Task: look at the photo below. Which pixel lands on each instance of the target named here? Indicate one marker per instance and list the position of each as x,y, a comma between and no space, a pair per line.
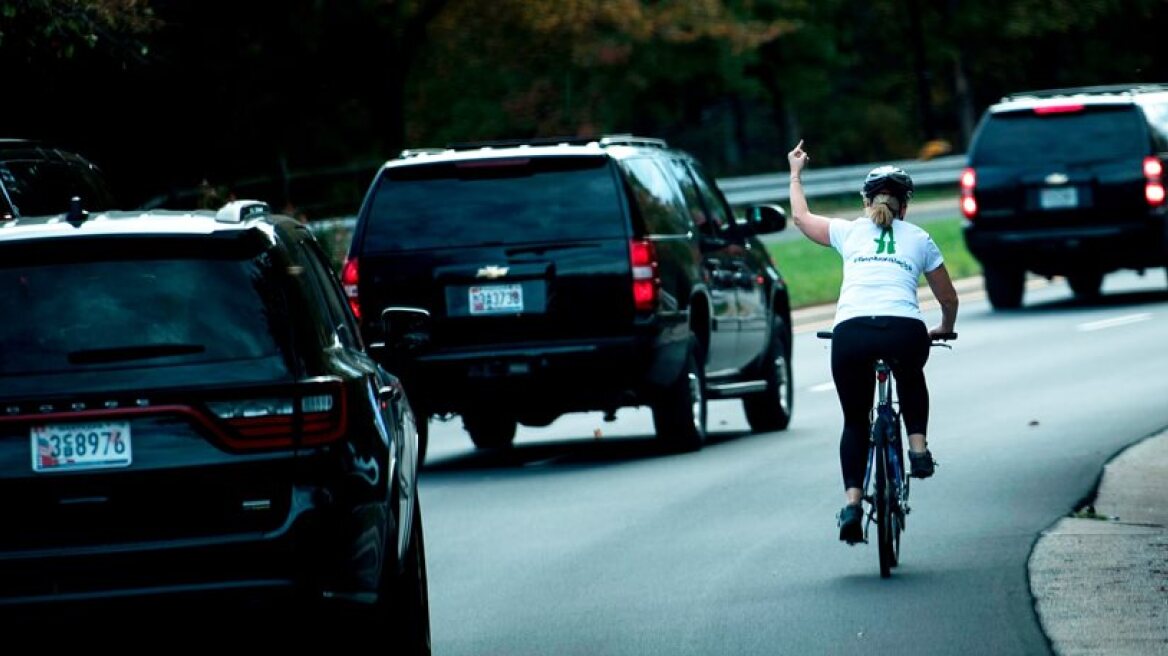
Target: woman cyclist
878,315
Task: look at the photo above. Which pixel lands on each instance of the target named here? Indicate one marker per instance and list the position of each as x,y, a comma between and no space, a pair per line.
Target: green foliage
308,85
64,29
581,67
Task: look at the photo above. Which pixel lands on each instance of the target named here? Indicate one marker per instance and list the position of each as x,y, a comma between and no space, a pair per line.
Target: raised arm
812,225
942,286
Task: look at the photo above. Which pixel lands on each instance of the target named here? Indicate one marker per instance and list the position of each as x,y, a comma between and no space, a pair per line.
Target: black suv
512,282
1067,182
186,406
40,179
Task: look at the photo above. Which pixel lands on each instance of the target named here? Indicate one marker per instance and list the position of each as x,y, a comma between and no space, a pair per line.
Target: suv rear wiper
140,352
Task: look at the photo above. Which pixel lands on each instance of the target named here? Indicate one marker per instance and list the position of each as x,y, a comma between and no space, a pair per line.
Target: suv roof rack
1116,89
606,140
414,152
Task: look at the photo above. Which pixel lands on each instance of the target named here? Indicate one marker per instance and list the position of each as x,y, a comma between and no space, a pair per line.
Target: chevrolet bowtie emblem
1057,179
492,272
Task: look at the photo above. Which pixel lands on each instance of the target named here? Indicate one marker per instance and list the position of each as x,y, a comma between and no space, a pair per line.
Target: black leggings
855,346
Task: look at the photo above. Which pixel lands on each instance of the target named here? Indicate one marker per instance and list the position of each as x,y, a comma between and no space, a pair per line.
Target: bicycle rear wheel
884,504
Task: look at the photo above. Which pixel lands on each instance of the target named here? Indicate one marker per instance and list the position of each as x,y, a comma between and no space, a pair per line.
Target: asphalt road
584,540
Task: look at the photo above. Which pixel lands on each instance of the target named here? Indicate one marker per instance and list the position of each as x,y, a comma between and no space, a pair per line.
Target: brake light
643,256
308,414
1059,109
968,184
1153,181
349,278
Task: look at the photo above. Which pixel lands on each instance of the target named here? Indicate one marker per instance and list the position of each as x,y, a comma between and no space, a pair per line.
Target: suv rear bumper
550,378
308,554
1056,251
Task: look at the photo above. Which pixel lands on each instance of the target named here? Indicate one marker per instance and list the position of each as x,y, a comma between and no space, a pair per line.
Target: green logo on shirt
885,243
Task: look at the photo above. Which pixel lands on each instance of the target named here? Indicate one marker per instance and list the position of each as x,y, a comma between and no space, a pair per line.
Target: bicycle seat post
883,383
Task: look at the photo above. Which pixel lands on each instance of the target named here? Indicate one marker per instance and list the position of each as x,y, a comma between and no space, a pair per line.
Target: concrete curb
1099,579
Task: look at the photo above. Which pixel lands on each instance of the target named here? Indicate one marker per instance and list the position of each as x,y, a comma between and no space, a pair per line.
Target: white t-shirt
882,269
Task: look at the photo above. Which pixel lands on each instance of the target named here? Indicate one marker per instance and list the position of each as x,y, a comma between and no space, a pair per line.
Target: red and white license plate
496,299
69,447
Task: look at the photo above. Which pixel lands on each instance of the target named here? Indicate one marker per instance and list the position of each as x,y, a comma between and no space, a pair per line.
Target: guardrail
774,188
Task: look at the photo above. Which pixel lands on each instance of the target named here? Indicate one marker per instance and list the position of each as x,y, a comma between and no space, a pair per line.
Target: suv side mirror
406,329
764,219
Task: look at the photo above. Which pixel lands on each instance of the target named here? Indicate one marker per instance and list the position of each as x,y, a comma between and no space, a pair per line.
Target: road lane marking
1114,321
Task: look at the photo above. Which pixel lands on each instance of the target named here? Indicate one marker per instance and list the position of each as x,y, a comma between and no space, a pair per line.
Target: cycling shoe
922,464
851,524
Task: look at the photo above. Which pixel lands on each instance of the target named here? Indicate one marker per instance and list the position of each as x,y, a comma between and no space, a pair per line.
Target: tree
44,29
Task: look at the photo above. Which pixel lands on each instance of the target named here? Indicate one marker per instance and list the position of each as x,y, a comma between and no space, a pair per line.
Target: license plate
1056,198
69,447
496,299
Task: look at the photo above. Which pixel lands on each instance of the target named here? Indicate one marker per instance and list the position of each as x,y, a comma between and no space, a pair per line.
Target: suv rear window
536,199
77,313
1101,133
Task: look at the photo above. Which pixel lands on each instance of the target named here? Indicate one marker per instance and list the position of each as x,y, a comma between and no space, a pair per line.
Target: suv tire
402,608
771,410
409,612
423,422
1085,285
1004,285
680,414
489,431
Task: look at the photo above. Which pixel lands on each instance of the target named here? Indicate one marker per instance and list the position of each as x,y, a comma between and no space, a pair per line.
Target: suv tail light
1069,108
307,414
643,256
968,184
349,277
1153,181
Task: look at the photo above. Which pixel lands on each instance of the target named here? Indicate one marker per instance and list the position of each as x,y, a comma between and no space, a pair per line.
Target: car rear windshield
489,202
1092,134
81,313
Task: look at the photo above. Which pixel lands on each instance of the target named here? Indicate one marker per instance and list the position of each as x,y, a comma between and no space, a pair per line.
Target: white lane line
1114,321
823,387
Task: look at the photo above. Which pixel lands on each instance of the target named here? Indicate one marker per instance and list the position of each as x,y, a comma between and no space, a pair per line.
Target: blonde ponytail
883,209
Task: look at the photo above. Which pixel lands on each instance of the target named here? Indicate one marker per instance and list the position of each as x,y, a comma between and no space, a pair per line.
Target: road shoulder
1099,579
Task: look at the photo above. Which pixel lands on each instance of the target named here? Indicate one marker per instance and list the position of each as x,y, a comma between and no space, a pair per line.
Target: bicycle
886,486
